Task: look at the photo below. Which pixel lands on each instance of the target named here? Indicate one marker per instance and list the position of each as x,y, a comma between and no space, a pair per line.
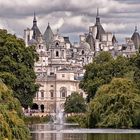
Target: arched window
51,93
57,54
57,44
83,52
63,92
42,108
42,93
34,106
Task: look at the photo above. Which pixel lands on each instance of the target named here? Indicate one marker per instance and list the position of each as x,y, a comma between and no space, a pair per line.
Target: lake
73,132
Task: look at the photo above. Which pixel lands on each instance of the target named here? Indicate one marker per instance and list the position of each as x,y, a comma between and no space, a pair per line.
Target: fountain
58,117
58,130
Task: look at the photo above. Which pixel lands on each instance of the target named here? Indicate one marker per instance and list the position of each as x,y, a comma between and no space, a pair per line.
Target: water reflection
60,136
59,132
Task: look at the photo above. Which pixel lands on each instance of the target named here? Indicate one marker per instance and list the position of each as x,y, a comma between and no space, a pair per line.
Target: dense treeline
112,86
17,67
113,91
17,86
12,126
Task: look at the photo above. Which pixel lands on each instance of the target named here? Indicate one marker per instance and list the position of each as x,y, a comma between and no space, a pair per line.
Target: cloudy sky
71,17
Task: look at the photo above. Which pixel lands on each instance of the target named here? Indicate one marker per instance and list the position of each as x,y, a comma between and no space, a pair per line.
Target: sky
71,17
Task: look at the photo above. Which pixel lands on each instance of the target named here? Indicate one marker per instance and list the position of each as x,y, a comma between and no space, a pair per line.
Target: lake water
72,132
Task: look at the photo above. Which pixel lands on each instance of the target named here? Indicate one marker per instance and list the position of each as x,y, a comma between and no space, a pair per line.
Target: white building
60,66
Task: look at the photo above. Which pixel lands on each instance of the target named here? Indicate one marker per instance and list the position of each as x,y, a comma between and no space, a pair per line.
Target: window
83,52
63,95
37,95
57,54
51,93
42,93
51,73
63,75
39,46
51,85
57,44
62,54
63,92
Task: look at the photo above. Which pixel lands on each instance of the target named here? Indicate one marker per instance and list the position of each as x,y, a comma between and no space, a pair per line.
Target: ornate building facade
60,66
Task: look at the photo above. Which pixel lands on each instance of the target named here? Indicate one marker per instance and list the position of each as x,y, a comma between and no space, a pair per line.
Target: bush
78,118
36,119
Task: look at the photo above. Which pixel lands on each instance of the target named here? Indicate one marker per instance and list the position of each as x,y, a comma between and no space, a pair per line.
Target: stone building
60,66
57,73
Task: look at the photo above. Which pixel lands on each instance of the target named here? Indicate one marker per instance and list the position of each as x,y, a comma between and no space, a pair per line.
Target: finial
135,28
34,16
97,12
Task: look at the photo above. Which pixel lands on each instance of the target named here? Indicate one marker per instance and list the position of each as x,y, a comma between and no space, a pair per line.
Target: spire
34,20
97,17
136,29
48,25
97,12
36,31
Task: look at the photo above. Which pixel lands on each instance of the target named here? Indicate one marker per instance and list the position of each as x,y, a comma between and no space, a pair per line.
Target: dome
136,38
84,45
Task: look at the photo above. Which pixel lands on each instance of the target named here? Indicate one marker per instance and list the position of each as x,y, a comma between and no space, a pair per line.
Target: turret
36,31
136,38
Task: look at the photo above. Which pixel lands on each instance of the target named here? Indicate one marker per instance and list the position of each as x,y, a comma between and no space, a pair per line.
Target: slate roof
48,34
100,29
36,31
91,41
66,39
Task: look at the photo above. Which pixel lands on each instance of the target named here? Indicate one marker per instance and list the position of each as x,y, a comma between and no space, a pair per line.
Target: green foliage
36,119
16,67
12,126
136,62
115,105
102,70
77,118
74,103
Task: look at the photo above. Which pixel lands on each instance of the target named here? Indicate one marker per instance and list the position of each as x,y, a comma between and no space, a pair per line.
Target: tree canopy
17,67
12,126
74,103
101,71
116,105
136,62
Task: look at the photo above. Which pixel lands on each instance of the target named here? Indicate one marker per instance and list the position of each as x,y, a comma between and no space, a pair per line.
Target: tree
116,105
17,67
75,103
12,126
101,71
136,61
